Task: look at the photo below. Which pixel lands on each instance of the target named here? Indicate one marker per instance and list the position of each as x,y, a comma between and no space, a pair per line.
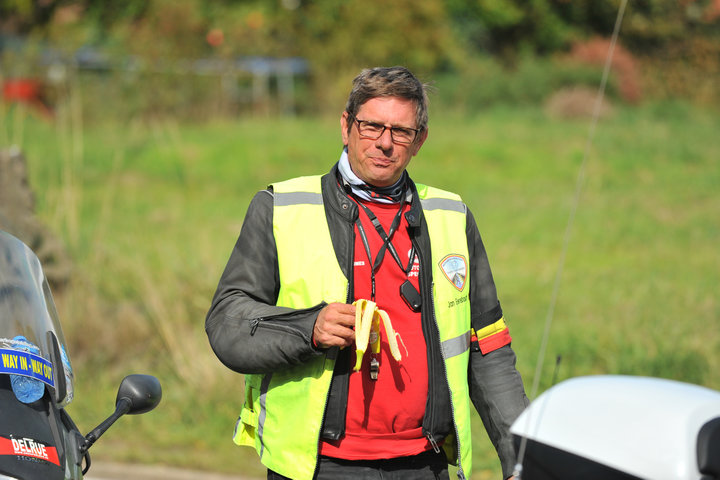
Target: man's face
381,162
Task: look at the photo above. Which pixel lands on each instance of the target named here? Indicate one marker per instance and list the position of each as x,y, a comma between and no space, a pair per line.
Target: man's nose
384,141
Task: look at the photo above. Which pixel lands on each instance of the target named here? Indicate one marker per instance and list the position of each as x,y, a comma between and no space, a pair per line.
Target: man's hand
334,326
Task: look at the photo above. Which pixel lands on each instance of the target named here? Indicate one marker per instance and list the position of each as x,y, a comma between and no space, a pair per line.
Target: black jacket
249,334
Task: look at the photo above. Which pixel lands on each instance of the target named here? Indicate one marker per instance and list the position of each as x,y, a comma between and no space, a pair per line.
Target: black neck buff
391,194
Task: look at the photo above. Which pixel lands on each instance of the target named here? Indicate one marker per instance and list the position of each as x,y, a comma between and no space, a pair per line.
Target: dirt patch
576,102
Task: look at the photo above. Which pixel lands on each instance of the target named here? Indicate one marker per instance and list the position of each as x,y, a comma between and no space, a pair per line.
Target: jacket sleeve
496,388
247,332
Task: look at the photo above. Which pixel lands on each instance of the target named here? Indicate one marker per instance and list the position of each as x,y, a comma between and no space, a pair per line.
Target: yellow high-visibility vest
283,411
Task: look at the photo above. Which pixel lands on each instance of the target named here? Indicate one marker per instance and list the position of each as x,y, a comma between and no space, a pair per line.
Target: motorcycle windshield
31,339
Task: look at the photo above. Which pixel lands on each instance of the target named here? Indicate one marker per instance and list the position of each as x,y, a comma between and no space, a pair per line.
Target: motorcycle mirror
137,394
142,391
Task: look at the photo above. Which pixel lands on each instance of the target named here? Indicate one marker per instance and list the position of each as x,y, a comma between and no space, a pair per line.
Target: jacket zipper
254,325
428,433
257,322
427,301
460,472
348,299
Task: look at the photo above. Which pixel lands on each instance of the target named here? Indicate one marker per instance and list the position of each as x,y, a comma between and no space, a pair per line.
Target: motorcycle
620,427
38,438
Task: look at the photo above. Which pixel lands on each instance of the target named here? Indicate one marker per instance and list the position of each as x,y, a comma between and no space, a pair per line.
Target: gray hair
389,82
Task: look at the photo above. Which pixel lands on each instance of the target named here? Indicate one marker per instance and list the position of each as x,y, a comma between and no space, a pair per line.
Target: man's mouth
382,162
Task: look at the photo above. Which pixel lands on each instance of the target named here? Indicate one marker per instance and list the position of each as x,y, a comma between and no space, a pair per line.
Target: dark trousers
425,466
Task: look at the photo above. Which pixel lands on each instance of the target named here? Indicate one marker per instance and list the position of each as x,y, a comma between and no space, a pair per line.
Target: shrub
594,52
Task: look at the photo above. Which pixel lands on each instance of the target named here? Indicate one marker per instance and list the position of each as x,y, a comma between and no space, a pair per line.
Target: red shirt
384,416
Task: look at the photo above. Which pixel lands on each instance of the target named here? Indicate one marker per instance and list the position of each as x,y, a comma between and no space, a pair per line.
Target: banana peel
367,324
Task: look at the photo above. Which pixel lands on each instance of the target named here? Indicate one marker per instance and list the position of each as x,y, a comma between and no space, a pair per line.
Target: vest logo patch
455,269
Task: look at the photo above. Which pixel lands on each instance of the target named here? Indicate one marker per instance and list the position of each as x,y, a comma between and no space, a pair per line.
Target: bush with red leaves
595,51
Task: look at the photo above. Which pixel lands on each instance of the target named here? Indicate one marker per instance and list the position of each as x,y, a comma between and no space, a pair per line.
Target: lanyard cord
387,243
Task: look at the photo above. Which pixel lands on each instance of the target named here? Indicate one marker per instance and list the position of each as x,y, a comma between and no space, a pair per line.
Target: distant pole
261,88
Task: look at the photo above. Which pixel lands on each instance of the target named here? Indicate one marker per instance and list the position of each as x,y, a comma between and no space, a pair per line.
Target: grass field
150,211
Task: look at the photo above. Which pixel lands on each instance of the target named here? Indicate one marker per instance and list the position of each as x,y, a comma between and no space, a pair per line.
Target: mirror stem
122,407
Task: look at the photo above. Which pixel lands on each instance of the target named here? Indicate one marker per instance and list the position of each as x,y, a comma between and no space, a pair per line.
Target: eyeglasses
373,131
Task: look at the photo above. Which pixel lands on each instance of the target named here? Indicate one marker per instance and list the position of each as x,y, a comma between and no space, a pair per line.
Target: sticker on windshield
17,362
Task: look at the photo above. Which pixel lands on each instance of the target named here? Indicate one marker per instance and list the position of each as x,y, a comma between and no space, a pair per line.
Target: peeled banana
367,325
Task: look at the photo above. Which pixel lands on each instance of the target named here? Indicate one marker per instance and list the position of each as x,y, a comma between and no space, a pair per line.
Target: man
283,313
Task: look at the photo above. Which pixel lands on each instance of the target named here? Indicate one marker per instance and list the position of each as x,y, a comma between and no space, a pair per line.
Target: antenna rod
571,220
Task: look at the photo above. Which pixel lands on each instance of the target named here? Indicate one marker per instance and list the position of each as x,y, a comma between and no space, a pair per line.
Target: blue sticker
17,362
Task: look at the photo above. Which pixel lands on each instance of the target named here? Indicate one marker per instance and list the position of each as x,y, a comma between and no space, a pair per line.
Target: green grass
151,210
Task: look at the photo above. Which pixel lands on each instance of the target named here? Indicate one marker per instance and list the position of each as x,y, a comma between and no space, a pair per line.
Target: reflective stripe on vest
283,411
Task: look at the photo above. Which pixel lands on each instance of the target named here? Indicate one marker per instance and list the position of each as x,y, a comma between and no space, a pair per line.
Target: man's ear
344,127
422,136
